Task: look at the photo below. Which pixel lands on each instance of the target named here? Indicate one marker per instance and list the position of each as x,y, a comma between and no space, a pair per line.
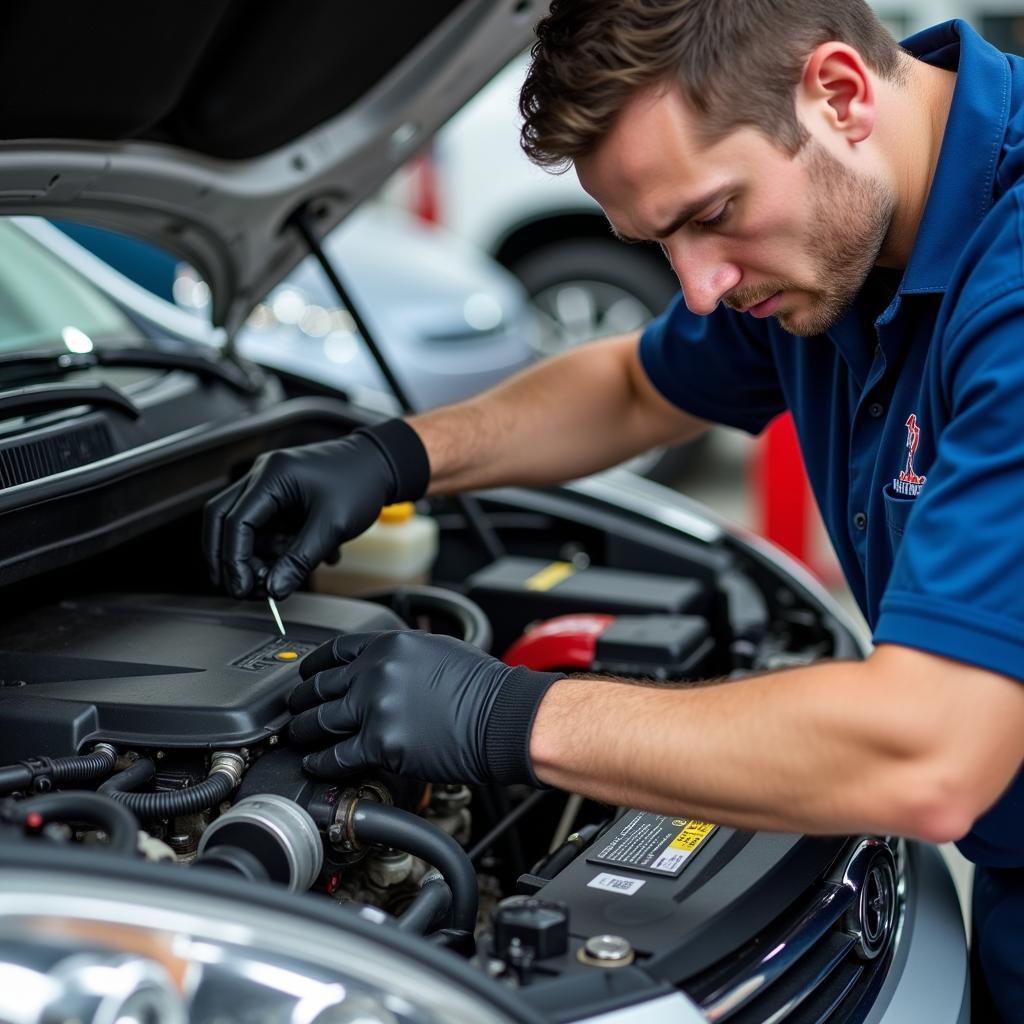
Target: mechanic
846,220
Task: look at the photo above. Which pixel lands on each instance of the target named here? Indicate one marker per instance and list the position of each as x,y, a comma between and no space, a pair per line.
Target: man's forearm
824,749
565,418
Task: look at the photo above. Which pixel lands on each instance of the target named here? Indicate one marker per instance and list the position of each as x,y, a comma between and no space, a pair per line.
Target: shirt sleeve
957,585
716,367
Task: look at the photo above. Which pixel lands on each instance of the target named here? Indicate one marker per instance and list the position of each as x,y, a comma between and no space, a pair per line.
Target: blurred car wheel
593,288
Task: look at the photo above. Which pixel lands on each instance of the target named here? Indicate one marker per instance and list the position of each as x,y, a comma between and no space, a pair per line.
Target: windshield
44,304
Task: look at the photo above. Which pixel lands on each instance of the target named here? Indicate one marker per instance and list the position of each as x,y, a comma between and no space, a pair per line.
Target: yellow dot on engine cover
286,655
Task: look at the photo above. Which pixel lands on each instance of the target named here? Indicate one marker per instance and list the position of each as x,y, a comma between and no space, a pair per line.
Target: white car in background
542,226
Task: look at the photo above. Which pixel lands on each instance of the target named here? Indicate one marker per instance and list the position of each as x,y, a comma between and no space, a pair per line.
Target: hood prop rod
468,505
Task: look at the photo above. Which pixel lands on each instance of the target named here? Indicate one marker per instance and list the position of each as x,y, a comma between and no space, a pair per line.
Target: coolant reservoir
398,549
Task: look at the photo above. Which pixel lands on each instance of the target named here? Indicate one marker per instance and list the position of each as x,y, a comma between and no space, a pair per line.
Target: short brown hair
737,62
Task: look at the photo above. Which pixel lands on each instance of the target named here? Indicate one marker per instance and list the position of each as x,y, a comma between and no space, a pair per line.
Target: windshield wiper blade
50,397
223,370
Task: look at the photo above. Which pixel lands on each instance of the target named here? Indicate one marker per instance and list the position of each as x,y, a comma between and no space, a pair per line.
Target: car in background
450,320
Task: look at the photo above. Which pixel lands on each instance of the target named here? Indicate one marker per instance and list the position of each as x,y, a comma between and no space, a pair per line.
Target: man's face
740,220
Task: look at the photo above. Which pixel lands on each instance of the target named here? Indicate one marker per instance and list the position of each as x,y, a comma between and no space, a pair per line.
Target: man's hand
417,704
320,495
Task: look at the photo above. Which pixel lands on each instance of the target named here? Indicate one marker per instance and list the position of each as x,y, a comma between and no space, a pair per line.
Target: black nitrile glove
320,495
417,704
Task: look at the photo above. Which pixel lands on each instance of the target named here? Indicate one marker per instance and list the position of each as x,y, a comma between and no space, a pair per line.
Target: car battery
515,591
654,647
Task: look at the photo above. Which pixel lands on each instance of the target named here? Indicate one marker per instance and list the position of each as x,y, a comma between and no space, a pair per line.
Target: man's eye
713,222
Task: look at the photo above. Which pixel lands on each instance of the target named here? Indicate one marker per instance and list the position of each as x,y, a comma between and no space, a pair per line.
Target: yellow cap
286,655
399,513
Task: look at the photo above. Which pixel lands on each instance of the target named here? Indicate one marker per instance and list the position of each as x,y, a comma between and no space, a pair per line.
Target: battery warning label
651,842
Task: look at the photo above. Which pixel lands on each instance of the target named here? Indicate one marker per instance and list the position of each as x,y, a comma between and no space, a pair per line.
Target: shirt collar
961,192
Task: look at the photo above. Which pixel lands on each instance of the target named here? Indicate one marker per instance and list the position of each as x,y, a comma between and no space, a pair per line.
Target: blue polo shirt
911,422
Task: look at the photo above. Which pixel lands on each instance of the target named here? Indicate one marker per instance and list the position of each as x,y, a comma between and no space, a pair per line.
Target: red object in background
425,201
784,498
565,642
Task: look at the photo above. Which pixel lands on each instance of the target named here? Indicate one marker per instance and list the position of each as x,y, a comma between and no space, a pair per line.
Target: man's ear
837,88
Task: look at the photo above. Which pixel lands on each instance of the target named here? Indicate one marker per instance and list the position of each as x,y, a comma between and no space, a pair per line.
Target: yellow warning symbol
550,576
692,836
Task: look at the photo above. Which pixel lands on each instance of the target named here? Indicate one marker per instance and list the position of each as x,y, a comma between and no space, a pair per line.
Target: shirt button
860,520
876,409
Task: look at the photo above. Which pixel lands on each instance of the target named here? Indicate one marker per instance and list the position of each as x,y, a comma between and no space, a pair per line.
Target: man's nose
704,278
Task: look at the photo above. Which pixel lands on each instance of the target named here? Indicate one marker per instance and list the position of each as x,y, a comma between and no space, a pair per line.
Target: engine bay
145,724
174,706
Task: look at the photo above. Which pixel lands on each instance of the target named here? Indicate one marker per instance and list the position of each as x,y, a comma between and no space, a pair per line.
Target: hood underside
203,127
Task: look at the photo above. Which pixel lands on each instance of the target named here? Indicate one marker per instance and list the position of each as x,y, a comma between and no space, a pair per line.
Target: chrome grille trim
821,975
791,945
837,898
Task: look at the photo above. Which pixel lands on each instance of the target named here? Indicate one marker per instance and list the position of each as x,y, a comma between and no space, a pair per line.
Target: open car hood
204,127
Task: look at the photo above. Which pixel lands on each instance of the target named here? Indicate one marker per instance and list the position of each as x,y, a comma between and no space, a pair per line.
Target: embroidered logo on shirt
908,483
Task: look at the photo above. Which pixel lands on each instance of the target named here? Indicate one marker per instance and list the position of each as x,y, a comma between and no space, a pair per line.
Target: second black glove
424,706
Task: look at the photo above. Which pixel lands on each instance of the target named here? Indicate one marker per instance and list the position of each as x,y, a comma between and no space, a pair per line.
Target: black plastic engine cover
152,670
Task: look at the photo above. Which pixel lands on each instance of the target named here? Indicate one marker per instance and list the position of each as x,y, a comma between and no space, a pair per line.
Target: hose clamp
341,832
41,769
228,763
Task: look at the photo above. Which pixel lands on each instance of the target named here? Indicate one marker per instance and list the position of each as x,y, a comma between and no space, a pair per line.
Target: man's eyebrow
684,216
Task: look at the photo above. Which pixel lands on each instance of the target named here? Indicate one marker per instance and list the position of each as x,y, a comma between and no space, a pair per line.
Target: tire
589,288
627,287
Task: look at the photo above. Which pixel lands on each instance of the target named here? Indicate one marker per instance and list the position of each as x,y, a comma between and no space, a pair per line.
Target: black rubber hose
85,766
431,905
234,859
79,806
76,768
390,826
135,775
15,776
172,803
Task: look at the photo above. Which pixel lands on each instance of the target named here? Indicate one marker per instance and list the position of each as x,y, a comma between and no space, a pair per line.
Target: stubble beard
850,218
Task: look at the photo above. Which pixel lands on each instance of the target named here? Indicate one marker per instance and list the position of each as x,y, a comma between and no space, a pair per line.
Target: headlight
100,949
